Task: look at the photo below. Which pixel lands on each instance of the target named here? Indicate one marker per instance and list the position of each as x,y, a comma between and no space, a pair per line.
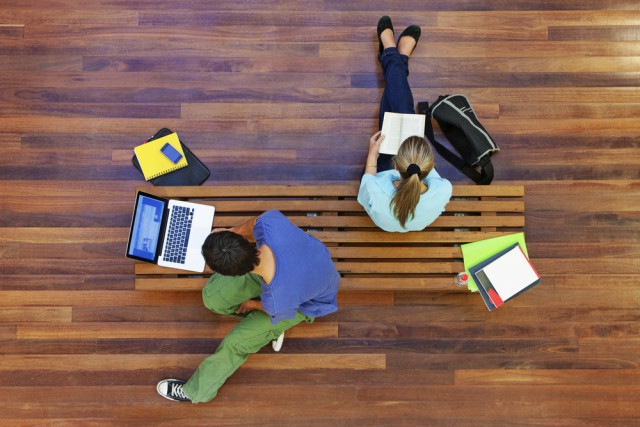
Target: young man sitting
290,271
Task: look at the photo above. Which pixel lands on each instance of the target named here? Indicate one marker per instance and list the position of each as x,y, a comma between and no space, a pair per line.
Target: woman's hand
371,167
374,144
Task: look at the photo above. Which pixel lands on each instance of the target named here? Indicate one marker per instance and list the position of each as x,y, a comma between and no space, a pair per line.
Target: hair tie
413,169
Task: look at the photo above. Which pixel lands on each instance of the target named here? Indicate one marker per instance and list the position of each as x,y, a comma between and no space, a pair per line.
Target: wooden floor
287,90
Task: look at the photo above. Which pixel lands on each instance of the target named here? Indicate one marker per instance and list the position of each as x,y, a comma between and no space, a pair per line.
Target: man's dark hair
229,253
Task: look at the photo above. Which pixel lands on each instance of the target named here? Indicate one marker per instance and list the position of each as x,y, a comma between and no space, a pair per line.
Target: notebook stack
499,268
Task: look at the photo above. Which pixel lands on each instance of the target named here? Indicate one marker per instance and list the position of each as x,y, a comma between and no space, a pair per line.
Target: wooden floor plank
54,315
92,330
543,377
135,362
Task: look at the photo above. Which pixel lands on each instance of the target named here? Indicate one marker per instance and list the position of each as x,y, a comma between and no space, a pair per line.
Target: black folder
195,173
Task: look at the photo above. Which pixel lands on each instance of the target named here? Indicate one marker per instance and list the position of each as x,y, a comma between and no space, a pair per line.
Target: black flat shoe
412,31
383,24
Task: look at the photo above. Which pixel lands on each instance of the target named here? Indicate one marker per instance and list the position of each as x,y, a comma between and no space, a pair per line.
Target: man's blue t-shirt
305,277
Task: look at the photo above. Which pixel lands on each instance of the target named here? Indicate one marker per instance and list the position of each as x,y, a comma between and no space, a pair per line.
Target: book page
412,124
511,273
391,128
397,127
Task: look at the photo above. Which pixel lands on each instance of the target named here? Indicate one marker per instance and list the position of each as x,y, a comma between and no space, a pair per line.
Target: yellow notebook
153,163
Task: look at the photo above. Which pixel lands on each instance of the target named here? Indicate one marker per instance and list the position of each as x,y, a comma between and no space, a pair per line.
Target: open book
397,127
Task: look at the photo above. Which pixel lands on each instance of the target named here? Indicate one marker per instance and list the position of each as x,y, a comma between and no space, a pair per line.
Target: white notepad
511,273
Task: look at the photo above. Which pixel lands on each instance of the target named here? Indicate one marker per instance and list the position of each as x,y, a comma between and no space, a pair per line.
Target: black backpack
464,131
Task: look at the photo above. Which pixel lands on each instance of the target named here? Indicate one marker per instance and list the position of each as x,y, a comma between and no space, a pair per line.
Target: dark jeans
397,96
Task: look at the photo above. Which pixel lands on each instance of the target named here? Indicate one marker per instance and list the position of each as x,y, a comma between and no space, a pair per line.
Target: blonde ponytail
414,150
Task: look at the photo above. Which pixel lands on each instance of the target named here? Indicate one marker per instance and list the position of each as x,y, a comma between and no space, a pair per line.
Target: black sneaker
172,390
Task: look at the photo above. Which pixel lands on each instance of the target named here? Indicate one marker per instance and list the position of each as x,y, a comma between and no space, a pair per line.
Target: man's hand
248,306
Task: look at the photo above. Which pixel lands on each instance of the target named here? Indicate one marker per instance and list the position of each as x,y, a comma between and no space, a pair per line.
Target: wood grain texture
287,91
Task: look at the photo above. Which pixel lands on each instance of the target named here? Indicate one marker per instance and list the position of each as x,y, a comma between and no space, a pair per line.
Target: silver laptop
169,233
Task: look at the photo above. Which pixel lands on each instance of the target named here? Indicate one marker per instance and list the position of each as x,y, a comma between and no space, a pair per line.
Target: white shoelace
176,390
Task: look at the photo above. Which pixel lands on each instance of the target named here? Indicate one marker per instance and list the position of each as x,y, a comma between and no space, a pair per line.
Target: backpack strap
484,177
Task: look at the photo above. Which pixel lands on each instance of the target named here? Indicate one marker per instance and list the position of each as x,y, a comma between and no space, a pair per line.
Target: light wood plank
53,315
546,377
166,330
136,362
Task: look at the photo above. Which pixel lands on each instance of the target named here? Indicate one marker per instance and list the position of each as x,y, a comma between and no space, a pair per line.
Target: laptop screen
146,227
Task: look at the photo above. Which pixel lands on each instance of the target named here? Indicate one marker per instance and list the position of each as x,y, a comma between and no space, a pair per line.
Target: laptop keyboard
175,246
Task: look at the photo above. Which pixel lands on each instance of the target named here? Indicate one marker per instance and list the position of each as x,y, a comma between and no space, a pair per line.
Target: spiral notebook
195,173
153,163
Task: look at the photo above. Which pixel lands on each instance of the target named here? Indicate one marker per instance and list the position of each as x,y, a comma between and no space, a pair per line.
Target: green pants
223,295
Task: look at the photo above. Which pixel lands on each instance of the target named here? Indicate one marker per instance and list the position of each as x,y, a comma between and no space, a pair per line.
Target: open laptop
169,233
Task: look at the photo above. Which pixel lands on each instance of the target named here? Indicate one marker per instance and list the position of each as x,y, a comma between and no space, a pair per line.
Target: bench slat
398,266
421,237
368,252
394,267
343,190
347,283
362,221
330,205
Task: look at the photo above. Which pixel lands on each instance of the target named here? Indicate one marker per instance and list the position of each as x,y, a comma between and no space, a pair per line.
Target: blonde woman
401,193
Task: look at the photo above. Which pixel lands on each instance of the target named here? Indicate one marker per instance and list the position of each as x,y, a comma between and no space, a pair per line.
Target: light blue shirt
305,279
376,193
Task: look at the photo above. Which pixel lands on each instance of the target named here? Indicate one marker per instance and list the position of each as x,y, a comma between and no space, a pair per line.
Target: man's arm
245,229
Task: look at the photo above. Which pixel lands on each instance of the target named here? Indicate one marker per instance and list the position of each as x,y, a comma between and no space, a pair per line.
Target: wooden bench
366,257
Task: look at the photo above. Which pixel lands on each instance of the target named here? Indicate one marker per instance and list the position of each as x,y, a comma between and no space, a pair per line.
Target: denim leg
385,162
396,96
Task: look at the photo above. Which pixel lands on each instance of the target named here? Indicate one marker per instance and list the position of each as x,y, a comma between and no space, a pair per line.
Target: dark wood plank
11,31
601,32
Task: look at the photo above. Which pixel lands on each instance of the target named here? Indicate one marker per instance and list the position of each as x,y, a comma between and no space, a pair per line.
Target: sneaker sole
277,344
